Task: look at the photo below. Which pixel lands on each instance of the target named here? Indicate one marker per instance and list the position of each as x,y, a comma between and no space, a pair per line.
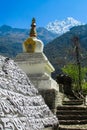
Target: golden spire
33,28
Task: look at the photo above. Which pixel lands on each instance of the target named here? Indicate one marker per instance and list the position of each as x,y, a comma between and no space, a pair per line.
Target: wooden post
76,42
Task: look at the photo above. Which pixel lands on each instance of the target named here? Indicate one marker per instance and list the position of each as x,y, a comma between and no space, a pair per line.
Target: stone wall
52,98
49,96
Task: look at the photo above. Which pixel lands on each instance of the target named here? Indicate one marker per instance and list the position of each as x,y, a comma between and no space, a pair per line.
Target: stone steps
73,102
73,127
71,108
71,115
74,112
72,122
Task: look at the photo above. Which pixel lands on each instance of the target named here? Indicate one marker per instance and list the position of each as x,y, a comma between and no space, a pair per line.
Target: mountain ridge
11,39
60,27
61,50
58,50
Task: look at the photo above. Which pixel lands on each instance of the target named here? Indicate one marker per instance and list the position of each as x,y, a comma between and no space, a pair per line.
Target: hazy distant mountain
11,39
45,35
63,26
61,50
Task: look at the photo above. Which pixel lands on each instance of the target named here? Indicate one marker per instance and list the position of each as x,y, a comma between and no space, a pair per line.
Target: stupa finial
33,28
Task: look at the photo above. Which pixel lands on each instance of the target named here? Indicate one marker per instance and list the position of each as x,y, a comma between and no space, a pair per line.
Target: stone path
73,127
72,116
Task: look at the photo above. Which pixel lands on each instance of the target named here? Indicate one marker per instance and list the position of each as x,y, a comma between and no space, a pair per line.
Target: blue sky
18,13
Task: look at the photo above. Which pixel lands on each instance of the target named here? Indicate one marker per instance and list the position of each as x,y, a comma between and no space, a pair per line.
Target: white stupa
34,62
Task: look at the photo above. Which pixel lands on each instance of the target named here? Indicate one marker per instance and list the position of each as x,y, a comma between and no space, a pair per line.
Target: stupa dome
32,44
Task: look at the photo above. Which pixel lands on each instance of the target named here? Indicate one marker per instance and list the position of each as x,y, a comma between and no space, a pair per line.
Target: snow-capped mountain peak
63,26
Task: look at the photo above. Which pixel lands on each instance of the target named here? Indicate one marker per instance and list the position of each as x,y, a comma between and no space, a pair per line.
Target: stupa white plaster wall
38,68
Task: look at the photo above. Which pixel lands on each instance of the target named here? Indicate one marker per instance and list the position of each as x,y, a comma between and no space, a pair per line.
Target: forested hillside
61,50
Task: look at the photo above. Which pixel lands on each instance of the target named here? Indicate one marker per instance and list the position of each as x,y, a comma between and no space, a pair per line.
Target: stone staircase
72,115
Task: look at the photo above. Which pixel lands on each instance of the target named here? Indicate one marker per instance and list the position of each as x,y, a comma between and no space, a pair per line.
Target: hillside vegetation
61,50
11,39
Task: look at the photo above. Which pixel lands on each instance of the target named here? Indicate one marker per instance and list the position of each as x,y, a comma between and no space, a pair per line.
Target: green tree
73,72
